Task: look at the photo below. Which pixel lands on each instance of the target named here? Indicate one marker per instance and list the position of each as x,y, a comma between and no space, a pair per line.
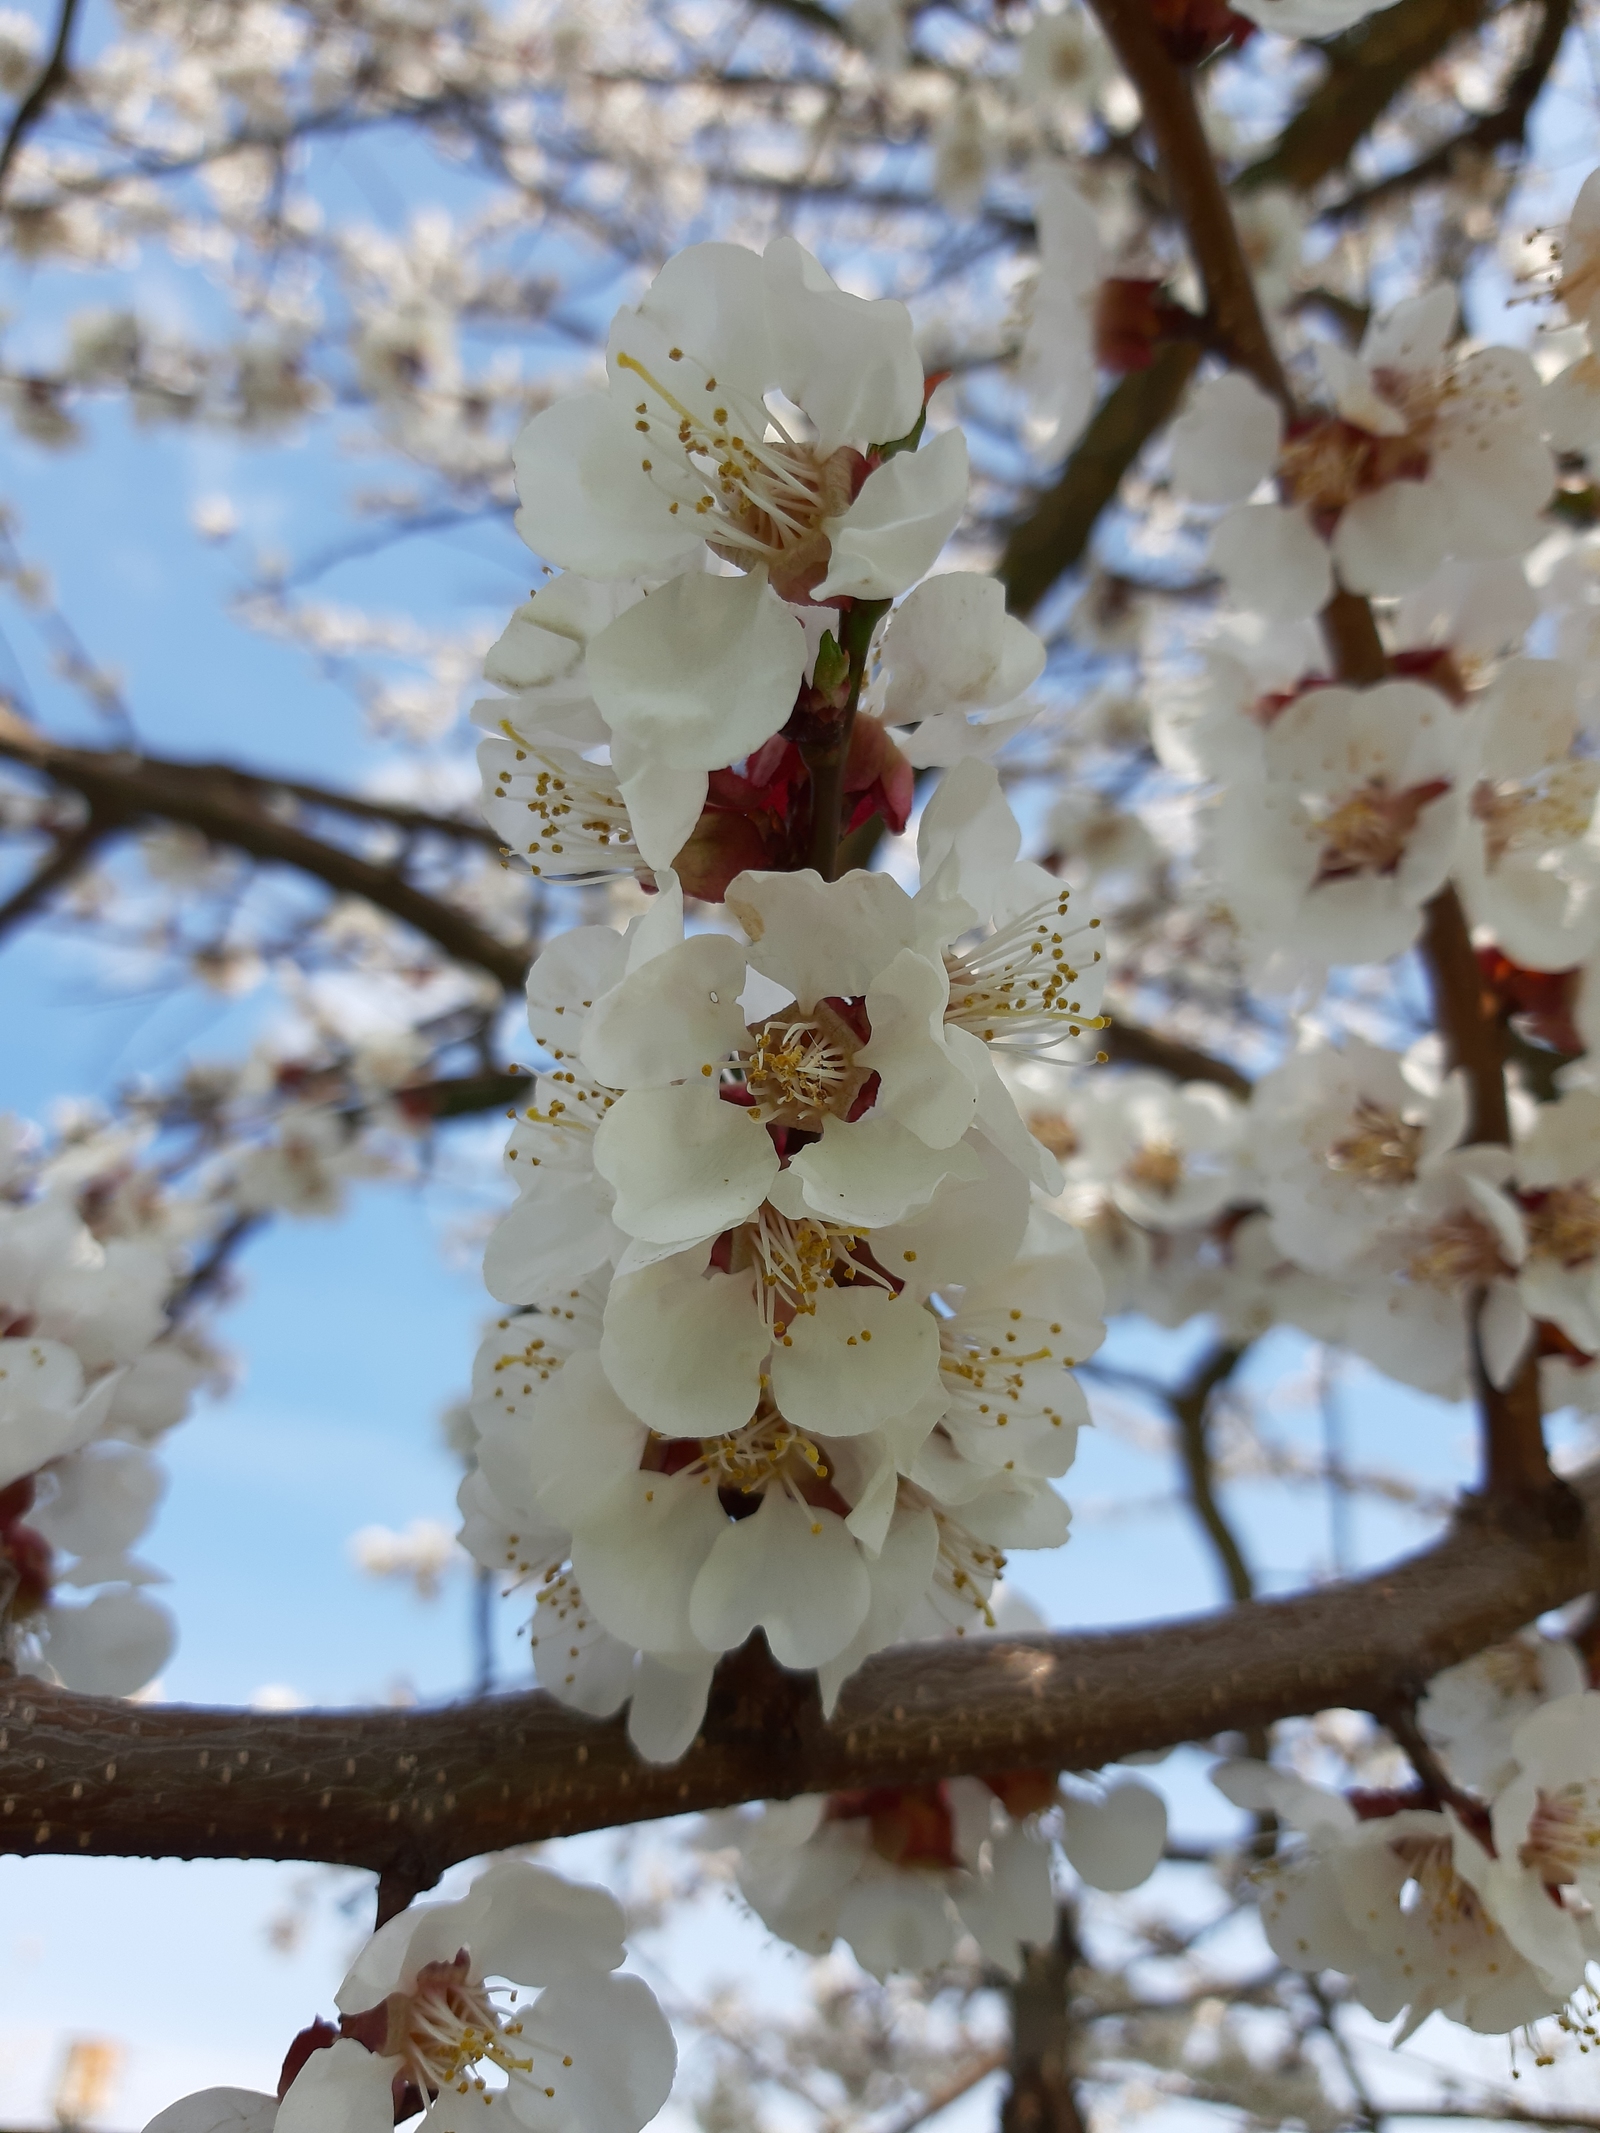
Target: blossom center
1380,1147
446,2026
1459,1250
796,1260
762,498
1563,1833
1156,1167
1056,1133
1368,832
1552,807
799,1072
1564,1225
911,1825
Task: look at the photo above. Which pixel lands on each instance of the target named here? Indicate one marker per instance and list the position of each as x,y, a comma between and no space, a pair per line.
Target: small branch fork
235,809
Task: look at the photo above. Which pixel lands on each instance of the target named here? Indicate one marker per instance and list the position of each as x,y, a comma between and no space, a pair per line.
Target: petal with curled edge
342,2089
892,534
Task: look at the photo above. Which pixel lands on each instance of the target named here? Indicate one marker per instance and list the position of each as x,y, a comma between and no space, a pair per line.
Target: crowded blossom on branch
1042,804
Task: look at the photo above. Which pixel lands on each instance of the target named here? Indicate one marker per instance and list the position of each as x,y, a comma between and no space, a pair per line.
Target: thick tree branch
409,1792
1514,1456
235,808
1042,2097
1054,536
52,75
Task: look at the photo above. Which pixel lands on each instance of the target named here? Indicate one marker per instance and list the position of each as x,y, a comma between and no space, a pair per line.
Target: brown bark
409,1792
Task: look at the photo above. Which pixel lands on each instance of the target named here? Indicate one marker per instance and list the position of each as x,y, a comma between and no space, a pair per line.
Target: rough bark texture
408,1792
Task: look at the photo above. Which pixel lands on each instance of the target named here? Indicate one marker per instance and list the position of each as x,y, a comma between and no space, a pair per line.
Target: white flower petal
685,1348
112,1647
874,1172
892,534
1115,1842
1272,561
851,362
669,1701
820,939
342,2089
668,1019
861,1356
700,673
637,1566
791,1570
587,503
218,2111
922,1083
685,1165
621,2053
1226,440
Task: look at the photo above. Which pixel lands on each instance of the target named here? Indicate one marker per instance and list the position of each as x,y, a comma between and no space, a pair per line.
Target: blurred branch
1191,1407
56,70
72,851
1514,1456
1130,1045
940,2098
1045,545
1368,67
244,812
1504,127
410,1792
1042,2097
1200,203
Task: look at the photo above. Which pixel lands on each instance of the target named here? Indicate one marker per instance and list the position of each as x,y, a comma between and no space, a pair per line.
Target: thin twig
34,105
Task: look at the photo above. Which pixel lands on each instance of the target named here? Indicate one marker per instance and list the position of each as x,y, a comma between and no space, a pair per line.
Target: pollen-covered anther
798,1072
1022,989
447,2026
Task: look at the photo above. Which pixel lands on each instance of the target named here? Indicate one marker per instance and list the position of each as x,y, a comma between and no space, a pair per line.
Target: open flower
423,2024
1395,1902
1529,863
684,449
1423,455
1353,826
1340,1138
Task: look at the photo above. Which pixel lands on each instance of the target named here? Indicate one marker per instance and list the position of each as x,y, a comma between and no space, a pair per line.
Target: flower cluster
435,2008
1478,1903
793,1332
904,1873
